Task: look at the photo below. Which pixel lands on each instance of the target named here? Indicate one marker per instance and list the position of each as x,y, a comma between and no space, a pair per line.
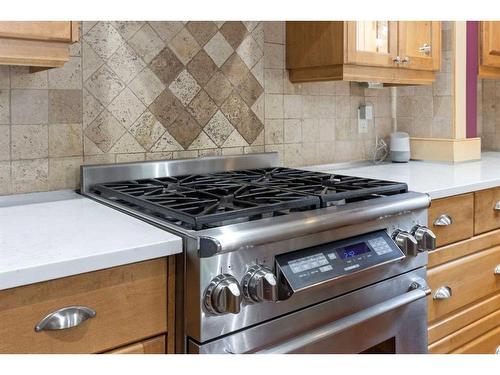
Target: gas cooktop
209,200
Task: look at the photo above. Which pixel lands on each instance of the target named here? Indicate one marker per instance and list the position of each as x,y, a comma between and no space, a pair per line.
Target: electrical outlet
362,121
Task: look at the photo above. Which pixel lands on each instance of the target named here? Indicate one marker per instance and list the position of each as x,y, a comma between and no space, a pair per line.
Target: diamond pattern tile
169,86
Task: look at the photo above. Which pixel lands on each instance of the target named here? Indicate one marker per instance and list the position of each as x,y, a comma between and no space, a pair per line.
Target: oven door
387,317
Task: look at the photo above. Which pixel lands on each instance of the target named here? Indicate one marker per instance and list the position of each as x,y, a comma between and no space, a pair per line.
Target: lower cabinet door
489,343
156,345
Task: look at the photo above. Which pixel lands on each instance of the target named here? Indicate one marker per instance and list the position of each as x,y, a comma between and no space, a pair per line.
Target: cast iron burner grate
210,200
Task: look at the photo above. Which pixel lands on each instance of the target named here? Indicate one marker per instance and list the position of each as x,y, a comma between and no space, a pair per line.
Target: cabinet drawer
130,304
470,279
460,209
489,343
155,345
486,217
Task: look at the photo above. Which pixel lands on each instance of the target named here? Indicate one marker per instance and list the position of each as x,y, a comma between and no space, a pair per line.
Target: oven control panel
306,267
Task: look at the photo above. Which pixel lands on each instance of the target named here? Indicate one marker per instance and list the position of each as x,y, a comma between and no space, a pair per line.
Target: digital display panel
353,250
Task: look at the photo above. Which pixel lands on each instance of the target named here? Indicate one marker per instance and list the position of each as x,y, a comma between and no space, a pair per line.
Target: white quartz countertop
437,179
46,236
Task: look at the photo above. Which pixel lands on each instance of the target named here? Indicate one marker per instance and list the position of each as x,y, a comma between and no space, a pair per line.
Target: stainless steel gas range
280,260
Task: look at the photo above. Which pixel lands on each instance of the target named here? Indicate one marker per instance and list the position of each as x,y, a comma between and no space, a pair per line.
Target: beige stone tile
258,107
442,85
146,86
126,144
327,88
127,28
4,143
75,49
292,105
30,175
201,67
90,61
253,149
273,106
105,85
422,127
64,173
65,106
258,34
219,128
159,155
104,131
250,127
146,43
166,143
219,88
202,108
126,63
184,129
29,106
210,152
104,39
309,88
342,106
29,141
232,151
273,132
311,131
4,77
274,32
289,87
184,87
218,49
249,51
4,106
441,127
292,131
127,158
166,30
293,155
91,108
309,107
328,129
326,152
184,46
65,140
235,140
126,108
310,154
345,128
234,32
67,77
250,25
202,31
99,159
147,130
21,78
404,105
422,106
273,81
274,56
343,88
202,142
442,106
234,108
259,140
185,154
258,71
5,180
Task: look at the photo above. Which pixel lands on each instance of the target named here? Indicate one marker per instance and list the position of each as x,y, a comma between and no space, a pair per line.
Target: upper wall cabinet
489,49
37,44
375,51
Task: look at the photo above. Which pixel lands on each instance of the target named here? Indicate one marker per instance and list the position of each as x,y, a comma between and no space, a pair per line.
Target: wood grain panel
463,248
489,343
486,218
414,34
490,43
52,31
470,279
463,317
130,302
33,53
461,209
155,345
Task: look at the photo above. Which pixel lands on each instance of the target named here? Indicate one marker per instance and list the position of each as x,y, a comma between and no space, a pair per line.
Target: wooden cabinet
156,345
489,49
43,44
376,51
466,263
130,304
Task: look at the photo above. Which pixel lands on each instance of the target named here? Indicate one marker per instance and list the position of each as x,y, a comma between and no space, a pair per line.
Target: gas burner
215,199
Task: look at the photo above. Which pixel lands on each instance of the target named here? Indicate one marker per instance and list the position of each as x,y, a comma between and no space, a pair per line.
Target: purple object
471,78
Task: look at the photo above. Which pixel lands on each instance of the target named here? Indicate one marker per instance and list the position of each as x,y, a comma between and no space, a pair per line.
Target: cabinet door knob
497,270
406,60
443,220
425,48
64,318
497,206
498,350
397,60
443,292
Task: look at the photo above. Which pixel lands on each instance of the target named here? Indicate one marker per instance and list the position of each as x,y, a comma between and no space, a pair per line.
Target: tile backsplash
161,90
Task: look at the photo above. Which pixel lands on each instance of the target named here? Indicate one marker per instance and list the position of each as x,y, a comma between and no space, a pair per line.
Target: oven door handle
418,289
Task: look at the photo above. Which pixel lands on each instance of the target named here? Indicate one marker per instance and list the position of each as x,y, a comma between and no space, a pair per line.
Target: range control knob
405,241
259,284
223,295
426,239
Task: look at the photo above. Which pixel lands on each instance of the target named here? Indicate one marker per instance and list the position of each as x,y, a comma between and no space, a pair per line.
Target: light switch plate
362,122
